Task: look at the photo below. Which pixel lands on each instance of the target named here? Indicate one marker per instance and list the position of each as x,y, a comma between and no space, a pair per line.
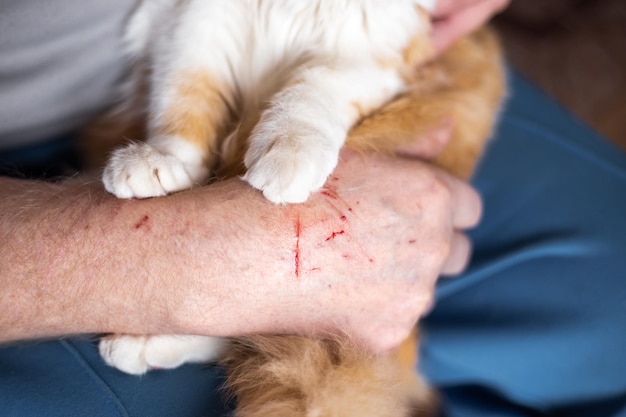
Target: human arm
221,260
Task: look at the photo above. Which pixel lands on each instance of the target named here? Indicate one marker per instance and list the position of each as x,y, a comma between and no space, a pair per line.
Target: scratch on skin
335,234
329,193
143,222
297,250
332,195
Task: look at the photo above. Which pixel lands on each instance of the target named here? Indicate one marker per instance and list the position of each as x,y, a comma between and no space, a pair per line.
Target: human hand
454,19
372,244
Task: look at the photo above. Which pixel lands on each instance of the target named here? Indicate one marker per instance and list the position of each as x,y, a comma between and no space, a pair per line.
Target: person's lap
536,325
532,328
68,379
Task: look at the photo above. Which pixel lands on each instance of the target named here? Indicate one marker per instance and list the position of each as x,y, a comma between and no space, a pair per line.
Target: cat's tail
292,376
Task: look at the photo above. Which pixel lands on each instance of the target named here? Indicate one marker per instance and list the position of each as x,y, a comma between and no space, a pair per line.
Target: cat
271,90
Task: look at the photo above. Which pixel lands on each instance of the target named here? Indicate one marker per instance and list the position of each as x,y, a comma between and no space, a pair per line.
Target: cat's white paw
289,168
137,355
140,171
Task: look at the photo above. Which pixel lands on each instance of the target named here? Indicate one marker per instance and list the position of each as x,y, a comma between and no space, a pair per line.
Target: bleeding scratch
335,234
329,193
143,222
297,250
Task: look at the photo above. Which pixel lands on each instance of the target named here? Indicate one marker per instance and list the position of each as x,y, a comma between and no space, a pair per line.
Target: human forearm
77,260
38,282
359,257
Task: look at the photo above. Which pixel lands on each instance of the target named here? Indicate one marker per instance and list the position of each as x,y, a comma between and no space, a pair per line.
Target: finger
446,8
467,206
459,256
449,30
430,144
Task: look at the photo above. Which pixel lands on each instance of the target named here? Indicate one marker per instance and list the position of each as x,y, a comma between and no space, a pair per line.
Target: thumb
459,18
429,144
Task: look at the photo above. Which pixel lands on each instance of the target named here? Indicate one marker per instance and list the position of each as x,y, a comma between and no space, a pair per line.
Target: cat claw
140,171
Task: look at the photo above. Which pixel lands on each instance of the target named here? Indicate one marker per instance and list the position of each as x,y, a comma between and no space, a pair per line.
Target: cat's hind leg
137,355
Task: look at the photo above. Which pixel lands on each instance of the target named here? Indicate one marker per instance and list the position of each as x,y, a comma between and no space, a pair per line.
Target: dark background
575,50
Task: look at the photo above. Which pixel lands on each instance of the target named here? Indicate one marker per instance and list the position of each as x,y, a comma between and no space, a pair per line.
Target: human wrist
243,281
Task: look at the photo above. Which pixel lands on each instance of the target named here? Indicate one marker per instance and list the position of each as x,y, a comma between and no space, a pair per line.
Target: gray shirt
59,62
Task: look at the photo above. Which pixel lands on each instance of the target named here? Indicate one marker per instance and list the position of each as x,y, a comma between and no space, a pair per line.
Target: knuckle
434,255
459,257
439,190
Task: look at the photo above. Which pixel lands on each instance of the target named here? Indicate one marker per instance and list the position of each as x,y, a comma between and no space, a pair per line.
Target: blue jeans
535,327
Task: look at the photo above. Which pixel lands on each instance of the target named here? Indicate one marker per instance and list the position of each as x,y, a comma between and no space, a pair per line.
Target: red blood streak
335,234
143,222
412,241
297,251
329,194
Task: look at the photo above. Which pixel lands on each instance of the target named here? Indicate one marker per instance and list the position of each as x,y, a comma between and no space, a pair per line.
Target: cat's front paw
289,168
137,355
140,171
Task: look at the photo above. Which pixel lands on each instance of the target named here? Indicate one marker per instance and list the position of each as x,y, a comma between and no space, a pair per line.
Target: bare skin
454,19
221,260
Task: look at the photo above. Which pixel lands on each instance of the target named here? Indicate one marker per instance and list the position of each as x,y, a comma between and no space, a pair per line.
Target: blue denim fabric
51,159
536,327
68,378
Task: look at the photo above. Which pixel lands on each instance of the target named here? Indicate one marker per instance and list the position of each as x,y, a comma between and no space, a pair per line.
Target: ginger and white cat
314,68
278,85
